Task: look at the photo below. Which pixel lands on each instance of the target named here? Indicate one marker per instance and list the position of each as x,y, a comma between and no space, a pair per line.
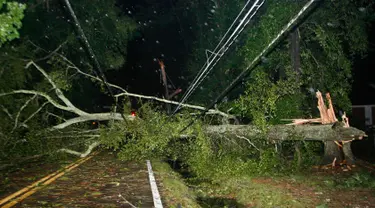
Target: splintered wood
327,115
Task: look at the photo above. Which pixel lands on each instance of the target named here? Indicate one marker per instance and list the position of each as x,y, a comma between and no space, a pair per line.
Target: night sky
154,41
363,93
166,42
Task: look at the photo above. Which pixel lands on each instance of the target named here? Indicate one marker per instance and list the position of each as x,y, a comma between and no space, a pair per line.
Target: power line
90,51
292,23
210,59
207,67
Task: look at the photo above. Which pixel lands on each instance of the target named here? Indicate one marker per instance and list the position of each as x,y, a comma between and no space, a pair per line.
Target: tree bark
349,157
287,132
295,51
324,133
331,151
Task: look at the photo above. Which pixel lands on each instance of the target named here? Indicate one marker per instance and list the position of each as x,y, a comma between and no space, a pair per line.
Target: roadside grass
304,189
360,179
247,193
224,192
175,193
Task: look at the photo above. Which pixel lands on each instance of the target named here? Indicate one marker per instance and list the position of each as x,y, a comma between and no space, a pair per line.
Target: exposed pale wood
330,111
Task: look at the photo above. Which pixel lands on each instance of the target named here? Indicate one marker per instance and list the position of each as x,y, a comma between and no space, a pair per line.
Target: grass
226,192
174,191
250,194
304,189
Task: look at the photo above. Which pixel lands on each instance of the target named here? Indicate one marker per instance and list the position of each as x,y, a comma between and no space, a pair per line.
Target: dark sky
165,42
154,40
363,75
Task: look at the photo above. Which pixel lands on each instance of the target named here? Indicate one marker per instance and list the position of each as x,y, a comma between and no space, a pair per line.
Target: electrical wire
207,63
291,24
233,40
207,67
90,51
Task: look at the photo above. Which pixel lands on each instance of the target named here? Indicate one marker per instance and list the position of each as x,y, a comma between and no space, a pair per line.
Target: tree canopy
10,18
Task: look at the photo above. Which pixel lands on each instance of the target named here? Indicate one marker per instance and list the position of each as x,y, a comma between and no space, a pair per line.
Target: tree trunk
298,154
331,151
349,157
288,132
295,51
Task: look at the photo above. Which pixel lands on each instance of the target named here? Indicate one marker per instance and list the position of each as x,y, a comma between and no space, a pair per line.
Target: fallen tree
286,132
328,134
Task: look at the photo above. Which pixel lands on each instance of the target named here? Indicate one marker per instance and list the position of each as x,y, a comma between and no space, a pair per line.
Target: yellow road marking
44,181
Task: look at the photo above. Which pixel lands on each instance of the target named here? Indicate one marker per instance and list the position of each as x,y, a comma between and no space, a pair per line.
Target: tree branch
7,112
90,117
88,151
58,92
19,112
248,140
125,93
211,111
36,112
42,94
56,116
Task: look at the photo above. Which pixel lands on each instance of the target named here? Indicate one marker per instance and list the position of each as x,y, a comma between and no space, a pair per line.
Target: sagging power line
221,49
309,6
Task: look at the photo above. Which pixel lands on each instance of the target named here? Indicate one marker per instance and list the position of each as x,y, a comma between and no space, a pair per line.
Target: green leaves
10,20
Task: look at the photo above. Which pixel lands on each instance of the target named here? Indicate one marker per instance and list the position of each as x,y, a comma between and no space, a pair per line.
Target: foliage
329,40
154,135
362,179
211,20
249,192
174,191
47,25
107,30
151,134
11,15
260,99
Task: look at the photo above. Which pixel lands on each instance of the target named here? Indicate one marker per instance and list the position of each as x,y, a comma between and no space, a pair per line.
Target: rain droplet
129,12
157,42
206,23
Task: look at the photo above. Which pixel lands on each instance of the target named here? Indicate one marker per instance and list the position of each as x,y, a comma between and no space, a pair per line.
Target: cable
207,66
210,69
292,23
208,58
90,51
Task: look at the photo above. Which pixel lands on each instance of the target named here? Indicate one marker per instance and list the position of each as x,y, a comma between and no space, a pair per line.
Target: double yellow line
18,196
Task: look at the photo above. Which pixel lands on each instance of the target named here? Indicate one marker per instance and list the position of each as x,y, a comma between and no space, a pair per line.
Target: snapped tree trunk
349,157
331,151
323,133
